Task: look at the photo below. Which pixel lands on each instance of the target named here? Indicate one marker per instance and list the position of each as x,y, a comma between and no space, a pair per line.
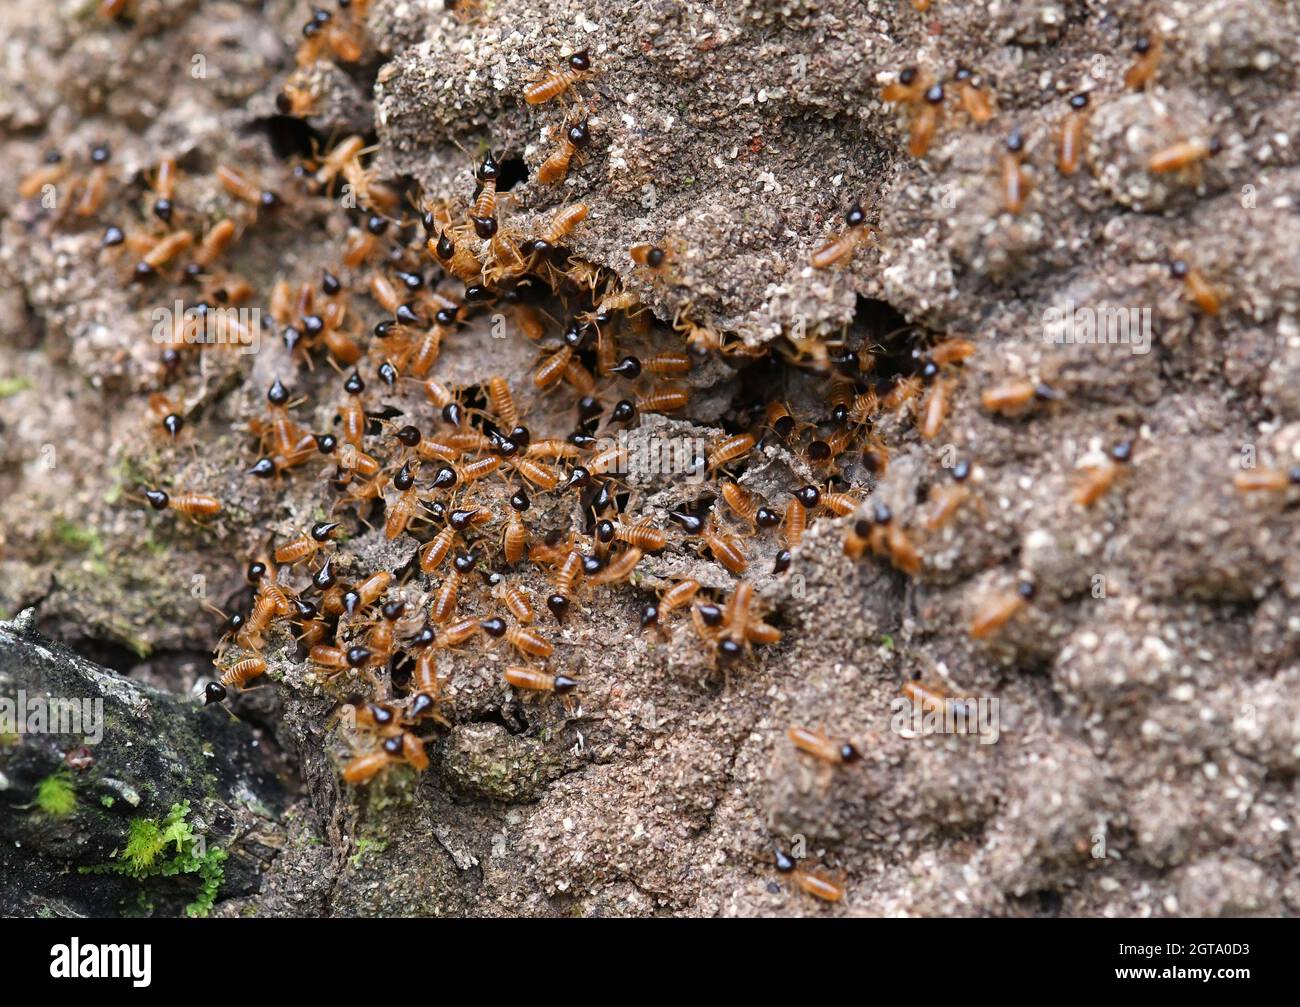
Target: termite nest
457,468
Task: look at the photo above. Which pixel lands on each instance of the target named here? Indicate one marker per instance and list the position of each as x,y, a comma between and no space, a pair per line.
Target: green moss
168,848
12,386
56,796
107,801
366,845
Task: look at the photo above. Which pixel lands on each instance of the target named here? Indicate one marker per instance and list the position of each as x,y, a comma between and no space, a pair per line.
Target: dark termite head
580,61
213,692
158,500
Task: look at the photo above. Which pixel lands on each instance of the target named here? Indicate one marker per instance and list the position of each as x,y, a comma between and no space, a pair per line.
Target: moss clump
167,849
56,796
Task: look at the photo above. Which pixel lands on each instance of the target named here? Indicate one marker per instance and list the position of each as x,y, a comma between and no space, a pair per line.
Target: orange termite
796,520
619,568
1016,396
1198,289
535,680
241,673
366,767
305,546
728,449
925,121
524,639
577,66
725,548
643,535
1015,183
53,171
1266,480
556,167
974,99
663,399
816,744
1099,478
1148,49
1184,154
1069,149
945,501
243,189
813,884
1001,609
935,409
838,250
909,87
192,505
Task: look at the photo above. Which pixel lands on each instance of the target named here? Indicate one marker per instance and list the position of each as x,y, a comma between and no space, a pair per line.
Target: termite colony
461,481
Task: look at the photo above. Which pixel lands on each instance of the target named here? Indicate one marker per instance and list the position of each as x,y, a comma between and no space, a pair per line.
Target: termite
1015,183
556,167
729,449
838,250
305,546
1148,49
1070,139
1198,289
52,171
974,98
726,548
524,639
816,744
1015,397
1001,609
813,884
1099,478
191,505
555,83
536,680
935,409
947,500
1267,480
1185,154
677,596
925,121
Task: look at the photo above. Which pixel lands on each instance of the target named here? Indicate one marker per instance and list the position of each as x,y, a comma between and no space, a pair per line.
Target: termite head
1122,452
624,411
1015,142
730,650
907,75
404,479
357,657
465,562
1026,589
579,134
322,530
934,94
101,153
580,61
277,394
213,692
488,170
558,605
855,217
848,753
485,227
809,496
113,236
1079,101
519,501
961,471
563,684
326,443
629,367
649,616
494,627
158,499
354,385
